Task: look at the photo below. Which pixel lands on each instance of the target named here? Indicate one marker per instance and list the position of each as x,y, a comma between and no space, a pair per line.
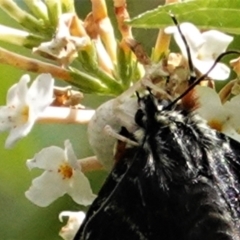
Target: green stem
54,11
83,81
39,9
25,19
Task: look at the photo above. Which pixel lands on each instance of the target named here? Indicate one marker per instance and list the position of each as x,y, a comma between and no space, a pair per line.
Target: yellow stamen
25,113
65,170
215,124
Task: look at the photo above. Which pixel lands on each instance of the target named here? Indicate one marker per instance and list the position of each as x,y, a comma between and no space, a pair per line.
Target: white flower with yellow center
62,175
75,220
204,48
24,105
225,117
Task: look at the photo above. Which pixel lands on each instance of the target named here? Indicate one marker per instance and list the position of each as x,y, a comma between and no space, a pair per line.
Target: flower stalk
90,164
19,37
65,115
82,80
25,19
54,8
161,47
38,8
105,28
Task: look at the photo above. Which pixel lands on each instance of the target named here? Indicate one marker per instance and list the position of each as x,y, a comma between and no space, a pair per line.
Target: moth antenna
201,77
137,94
190,63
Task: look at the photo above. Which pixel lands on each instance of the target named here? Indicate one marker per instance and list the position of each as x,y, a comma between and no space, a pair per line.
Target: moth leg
110,131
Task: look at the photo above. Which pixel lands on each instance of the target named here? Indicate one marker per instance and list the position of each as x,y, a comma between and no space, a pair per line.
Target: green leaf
222,15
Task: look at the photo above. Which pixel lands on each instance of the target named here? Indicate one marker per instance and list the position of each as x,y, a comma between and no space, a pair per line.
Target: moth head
149,109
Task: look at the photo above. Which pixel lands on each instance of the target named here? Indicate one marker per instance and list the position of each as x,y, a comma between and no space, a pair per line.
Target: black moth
180,183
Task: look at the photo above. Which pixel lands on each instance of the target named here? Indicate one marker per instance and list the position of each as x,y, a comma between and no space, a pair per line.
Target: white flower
74,222
204,48
64,46
224,118
24,106
62,175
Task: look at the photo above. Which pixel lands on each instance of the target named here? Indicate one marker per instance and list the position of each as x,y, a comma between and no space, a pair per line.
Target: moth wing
119,211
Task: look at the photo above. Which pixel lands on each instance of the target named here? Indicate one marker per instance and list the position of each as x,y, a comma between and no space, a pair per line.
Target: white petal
18,92
219,72
210,106
80,189
22,88
70,155
48,158
63,30
74,222
47,49
193,37
40,94
55,49
17,133
215,43
232,108
12,98
46,188
79,42
78,215
233,103
170,30
6,118
230,132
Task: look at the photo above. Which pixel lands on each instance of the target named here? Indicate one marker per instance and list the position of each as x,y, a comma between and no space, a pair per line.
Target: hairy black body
181,182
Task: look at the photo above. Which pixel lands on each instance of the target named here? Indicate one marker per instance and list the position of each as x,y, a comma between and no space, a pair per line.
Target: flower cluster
25,105
204,48
224,117
62,175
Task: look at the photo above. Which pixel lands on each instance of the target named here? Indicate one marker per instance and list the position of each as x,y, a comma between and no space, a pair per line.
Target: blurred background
19,218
